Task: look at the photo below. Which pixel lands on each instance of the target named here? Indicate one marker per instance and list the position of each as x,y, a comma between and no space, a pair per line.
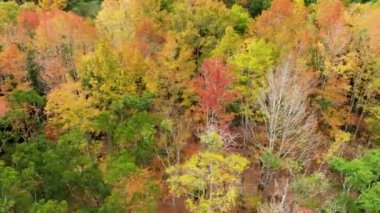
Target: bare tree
290,124
281,201
172,140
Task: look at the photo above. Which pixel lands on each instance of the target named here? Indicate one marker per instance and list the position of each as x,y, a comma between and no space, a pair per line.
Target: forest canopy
190,106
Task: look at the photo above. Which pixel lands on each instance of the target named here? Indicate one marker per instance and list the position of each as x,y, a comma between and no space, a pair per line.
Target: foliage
255,7
26,116
242,18
48,206
341,138
270,161
33,70
213,89
208,181
310,189
104,76
204,23
360,172
85,8
370,198
9,12
120,166
212,140
228,45
30,97
362,175
114,203
61,38
253,61
69,108
48,4
12,194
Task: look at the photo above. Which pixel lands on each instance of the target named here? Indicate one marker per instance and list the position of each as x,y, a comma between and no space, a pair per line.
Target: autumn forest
200,106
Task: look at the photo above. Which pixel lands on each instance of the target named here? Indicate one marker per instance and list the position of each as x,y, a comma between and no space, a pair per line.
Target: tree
273,25
136,192
290,125
242,18
310,191
170,72
256,7
341,138
62,171
149,37
114,203
253,61
332,24
202,24
335,81
214,93
228,45
335,84
363,73
173,137
27,22
61,38
374,113
9,12
85,8
347,67
112,21
69,107
128,124
119,167
49,4
34,72
208,181
3,107
370,198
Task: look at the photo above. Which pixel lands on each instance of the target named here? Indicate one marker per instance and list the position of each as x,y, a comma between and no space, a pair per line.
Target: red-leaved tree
212,86
28,21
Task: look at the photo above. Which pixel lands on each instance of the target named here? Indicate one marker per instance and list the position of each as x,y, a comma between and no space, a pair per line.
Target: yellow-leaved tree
49,4
209,180
68,107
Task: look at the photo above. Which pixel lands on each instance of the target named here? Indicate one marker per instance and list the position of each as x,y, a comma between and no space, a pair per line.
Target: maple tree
252,62
60,38
48,4
212,87
9,13
104,75
331,20
12,69
28,19
149,38
206,173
